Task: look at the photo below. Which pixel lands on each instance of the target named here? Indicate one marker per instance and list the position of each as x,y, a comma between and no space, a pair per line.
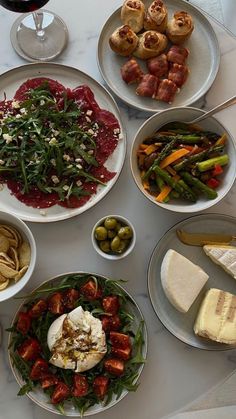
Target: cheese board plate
203,61
181,324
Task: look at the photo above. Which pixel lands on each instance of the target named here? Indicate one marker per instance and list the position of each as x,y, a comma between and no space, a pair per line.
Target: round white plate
69,77
203,61
42,399
181,324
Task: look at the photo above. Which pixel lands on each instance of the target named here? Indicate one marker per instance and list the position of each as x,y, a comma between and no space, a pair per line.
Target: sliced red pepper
218,170
213,183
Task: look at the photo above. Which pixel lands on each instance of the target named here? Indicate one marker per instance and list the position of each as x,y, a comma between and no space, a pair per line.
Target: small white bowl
109,256
13,288
211,124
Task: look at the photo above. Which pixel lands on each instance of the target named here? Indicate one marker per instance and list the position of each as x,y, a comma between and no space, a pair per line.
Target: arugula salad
119,367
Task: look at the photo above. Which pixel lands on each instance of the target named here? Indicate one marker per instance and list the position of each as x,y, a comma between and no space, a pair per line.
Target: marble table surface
175,375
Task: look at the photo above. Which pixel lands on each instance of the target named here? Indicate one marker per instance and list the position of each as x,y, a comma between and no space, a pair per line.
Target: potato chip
14,257
24,254
4,243
21,273
4,285
13,232
5,232
13,242
7,271
2,278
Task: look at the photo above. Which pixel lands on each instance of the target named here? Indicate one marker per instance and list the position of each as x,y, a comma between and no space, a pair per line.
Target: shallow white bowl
13,288
129,249
210,124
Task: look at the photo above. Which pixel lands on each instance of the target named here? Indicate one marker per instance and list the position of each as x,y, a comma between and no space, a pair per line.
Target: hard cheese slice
181,279
216,318
223,255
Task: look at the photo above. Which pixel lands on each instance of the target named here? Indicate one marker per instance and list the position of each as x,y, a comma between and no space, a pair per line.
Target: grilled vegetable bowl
77,344
183,167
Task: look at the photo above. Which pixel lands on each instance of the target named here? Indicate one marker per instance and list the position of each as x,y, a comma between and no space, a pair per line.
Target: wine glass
38,34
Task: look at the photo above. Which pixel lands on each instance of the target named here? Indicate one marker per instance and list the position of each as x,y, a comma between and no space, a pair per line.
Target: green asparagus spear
193,181
209,164
182,139
174,184
165,152
197,157
187,190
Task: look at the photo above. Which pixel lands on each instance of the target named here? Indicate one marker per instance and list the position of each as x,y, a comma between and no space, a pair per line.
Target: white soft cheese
76,341
223,255
181,279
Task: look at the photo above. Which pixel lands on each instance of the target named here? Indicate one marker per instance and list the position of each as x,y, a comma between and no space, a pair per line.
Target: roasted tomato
111,304
38,309
100,386
91,290
80,385
30,349
114,366
110,323
55,303
39,369
49,381
70,297
121,353
23,323
61,392
120,340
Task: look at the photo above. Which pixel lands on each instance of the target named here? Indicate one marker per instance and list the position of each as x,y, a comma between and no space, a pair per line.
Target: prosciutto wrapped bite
131,72
148,86
177,54
178,74
166,91
158,66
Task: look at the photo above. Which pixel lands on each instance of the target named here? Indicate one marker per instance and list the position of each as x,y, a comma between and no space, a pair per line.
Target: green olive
111,234
115,243
125,233
105,246
123,246
110,223
118,226
100,233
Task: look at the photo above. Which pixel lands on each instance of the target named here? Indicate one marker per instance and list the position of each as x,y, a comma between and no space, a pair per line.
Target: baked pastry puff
180,27
123,41
156,17
132,14
151,44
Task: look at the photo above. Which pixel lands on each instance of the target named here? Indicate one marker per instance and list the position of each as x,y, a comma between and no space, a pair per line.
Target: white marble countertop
175,375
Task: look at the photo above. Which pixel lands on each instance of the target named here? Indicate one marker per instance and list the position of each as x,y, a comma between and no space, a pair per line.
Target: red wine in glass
23,6
38,35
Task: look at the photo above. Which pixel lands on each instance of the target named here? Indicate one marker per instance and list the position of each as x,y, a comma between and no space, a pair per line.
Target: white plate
203,61
69,77
180,324
38,396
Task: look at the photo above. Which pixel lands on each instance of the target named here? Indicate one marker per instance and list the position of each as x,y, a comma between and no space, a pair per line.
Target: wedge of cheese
181,279
216,319
223,255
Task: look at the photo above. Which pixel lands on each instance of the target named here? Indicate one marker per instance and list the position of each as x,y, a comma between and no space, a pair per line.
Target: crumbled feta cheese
8,138
18,116
90,152
88,119
120,137
20,137
70,166
78,160
116,130
79,183
2,162
102,176
79,166
55,132
66,157
65,187
42,212
95,126
89,112
53,162
42,102
23,111
55,179
15,104
91,131
53,141
83,146
1,186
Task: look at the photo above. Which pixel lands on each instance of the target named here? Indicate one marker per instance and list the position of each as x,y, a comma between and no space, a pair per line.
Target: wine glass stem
38,20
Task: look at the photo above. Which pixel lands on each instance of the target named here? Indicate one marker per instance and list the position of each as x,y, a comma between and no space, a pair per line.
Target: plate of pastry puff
193,287
158,54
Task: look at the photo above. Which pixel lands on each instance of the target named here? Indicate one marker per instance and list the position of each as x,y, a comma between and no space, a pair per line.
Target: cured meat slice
148,86
131,72
166,91
177,54
158,66
178,74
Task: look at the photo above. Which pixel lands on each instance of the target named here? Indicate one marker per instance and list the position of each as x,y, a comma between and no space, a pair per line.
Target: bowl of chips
17,255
